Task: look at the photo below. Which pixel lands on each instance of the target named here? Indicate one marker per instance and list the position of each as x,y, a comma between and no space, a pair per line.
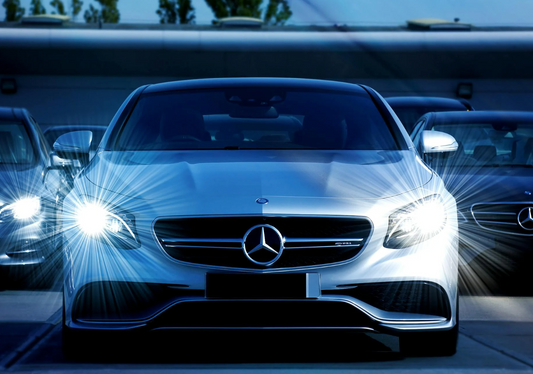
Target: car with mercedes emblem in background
258,204
29,246
491,177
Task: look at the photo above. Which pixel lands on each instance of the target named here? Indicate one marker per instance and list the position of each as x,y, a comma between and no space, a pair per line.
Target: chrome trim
498,223
266,270
191,242
480,221
377,315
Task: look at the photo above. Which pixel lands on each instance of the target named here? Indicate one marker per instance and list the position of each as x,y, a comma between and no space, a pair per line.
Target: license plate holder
262,286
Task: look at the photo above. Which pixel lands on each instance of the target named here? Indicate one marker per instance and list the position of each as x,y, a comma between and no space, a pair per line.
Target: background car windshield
255,118
15,144
496,144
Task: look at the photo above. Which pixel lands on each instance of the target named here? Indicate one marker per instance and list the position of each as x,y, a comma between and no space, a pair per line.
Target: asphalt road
496,336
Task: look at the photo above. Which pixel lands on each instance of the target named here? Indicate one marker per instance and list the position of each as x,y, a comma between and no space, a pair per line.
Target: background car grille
217,241
502,217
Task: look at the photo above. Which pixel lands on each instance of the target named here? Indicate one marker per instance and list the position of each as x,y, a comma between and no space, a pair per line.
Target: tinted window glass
15,144
491,144
246,118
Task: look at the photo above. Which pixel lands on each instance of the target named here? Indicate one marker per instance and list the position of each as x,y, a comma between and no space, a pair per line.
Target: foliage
167,11
185,11
108,12
59,7
36,8
277,11
170,11
235,8
75,7
14,11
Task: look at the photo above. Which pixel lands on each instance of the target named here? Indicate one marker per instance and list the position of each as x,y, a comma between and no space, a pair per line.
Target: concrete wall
81,76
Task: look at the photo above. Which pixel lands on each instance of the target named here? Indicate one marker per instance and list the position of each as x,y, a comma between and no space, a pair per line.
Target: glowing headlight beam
24,208
94,219
416,223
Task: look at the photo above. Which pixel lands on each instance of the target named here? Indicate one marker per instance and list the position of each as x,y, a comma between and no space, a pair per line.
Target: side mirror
437,142
74,145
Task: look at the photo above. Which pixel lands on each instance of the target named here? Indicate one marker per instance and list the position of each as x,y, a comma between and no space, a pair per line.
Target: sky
350,12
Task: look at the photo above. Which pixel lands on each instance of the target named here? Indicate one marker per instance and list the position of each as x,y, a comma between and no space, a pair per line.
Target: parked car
410,108
28,231
491,176
258,203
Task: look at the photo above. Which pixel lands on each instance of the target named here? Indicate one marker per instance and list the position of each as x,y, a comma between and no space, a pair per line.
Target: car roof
253,82
465,117
79,127
7,113
427,101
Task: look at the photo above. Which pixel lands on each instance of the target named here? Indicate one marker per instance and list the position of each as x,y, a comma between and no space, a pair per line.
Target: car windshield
491,144
15,145
255,118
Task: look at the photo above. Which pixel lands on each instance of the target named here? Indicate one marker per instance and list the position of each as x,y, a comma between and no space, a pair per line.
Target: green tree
277,11
75,7
170,11
36,8
58,6
167,11
235,8
185,12
108,12
14,11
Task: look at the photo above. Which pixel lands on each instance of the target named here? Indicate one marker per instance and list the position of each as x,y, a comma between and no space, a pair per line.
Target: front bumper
25,243
386,307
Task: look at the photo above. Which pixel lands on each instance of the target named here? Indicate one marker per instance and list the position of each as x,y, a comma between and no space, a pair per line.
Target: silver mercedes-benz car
259,203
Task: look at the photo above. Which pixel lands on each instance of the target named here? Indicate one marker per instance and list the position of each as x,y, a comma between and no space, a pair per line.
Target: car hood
489,184
235,175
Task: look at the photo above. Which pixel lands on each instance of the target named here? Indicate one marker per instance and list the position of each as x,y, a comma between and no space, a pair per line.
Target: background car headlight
416,222
108,224
22,209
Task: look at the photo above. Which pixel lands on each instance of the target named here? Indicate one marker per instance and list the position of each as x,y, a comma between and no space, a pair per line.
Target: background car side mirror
74,145
437,142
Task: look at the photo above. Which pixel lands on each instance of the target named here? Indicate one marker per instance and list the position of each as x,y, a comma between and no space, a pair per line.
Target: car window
491,144
15,144
246,118
418,128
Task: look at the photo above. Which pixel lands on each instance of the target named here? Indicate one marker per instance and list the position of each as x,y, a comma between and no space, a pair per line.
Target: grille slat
218,241
500,217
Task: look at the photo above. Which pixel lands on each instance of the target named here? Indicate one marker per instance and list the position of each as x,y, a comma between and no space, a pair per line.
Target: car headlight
108,224
22,209
416,222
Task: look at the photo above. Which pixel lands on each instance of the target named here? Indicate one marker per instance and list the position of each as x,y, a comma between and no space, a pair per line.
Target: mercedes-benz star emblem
525,218
263,245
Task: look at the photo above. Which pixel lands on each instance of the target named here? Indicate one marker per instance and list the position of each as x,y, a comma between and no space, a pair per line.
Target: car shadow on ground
226,347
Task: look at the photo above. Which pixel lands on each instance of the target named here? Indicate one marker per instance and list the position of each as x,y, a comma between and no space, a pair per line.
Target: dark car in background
28,199
410,108
491,177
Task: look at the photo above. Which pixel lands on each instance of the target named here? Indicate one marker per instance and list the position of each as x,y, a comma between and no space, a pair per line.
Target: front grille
501,217
218,241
